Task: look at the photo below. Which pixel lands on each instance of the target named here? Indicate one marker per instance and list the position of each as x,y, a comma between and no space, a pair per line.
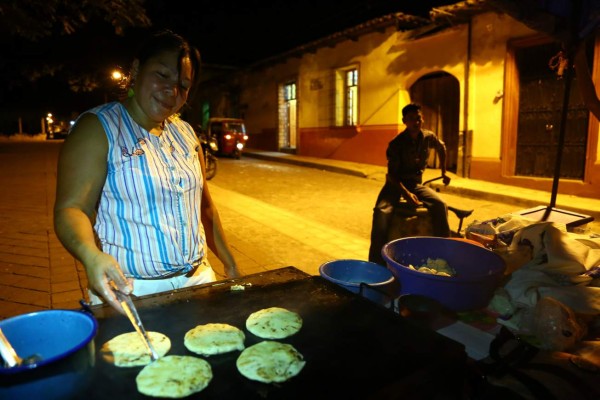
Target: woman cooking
132,204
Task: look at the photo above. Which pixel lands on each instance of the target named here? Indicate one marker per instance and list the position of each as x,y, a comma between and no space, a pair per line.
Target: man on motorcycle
407,156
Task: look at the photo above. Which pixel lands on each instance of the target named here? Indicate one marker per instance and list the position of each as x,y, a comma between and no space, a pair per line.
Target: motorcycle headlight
239,146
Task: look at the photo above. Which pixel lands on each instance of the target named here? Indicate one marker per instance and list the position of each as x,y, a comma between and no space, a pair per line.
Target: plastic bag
556,326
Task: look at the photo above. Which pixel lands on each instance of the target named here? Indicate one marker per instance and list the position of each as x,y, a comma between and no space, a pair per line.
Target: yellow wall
490,34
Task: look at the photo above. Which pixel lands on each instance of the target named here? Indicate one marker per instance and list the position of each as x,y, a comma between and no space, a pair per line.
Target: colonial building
491,86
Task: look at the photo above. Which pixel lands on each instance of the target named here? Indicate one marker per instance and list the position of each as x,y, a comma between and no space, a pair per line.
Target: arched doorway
439,95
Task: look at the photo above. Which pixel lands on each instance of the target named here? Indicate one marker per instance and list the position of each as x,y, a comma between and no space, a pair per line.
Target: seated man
407,157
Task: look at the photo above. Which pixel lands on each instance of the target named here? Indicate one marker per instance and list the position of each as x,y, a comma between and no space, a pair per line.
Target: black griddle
354,348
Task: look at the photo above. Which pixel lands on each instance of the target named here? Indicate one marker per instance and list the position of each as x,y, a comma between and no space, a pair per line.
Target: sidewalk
520,197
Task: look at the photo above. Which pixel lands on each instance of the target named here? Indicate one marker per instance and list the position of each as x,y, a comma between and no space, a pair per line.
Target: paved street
275,214
291,215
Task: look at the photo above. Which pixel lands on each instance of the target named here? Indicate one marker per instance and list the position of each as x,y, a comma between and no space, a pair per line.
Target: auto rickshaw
230,134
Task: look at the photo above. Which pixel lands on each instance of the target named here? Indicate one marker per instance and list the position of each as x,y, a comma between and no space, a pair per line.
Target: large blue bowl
479,271
378,282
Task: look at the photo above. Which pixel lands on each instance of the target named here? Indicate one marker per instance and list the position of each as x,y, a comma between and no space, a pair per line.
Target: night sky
238,32
227,32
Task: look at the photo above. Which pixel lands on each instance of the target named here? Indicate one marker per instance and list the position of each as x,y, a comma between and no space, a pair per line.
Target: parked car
59,130
62,134
230,134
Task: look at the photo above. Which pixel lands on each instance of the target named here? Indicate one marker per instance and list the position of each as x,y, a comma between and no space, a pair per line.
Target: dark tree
44,37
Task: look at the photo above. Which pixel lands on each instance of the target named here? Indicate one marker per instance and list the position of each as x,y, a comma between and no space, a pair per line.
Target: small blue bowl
378,282
52,334
64,341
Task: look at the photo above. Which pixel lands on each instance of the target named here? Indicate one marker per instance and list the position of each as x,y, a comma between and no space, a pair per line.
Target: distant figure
407,156
132,203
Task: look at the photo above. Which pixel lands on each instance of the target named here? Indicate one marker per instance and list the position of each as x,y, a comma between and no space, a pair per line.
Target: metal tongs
11,359
8,353
134,317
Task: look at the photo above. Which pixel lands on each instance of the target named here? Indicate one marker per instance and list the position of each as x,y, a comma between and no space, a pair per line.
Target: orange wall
357,144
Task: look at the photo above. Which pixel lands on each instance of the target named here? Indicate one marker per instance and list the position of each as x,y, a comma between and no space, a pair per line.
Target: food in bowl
437,266
479,271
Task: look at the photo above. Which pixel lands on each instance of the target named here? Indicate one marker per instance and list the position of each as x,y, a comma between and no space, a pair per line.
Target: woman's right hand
104,276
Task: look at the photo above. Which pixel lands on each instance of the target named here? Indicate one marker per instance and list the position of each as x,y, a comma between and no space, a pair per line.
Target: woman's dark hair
167,40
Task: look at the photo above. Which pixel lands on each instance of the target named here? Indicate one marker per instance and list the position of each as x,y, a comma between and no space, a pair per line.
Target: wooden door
541,97
439,95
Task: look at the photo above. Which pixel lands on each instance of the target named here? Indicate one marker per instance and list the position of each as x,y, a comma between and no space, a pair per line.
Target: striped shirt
148,215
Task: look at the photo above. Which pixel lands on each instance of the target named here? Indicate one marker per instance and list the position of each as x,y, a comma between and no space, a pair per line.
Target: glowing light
116,75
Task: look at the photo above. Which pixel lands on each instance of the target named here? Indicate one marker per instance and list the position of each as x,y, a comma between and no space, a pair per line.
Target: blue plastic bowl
349,274
479,271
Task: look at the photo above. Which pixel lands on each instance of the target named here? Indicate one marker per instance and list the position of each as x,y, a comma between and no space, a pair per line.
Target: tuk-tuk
230,134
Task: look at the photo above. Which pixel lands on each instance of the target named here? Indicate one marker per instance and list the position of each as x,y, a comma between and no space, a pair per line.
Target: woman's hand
104,276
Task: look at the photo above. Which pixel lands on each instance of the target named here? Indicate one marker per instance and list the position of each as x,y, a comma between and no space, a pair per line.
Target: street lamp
117,78
47,127
49,121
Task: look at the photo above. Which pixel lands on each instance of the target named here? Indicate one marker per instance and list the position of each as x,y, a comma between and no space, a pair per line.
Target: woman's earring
130,92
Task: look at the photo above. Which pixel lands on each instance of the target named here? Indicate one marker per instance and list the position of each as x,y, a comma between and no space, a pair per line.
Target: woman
132,202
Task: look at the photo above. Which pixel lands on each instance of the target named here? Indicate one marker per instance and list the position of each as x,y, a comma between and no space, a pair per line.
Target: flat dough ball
274,323
128,349
270,361
212,339
174,377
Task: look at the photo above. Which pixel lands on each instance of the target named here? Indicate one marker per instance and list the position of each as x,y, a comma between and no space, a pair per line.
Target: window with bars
347,97
289,91
287,115
351,97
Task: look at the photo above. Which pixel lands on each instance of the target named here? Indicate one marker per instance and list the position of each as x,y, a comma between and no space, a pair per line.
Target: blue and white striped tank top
149,211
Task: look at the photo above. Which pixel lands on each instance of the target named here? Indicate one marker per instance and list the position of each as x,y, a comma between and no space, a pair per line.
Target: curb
306,163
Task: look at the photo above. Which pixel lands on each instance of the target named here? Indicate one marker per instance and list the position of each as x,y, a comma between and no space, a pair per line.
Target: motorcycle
410,220
209,149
